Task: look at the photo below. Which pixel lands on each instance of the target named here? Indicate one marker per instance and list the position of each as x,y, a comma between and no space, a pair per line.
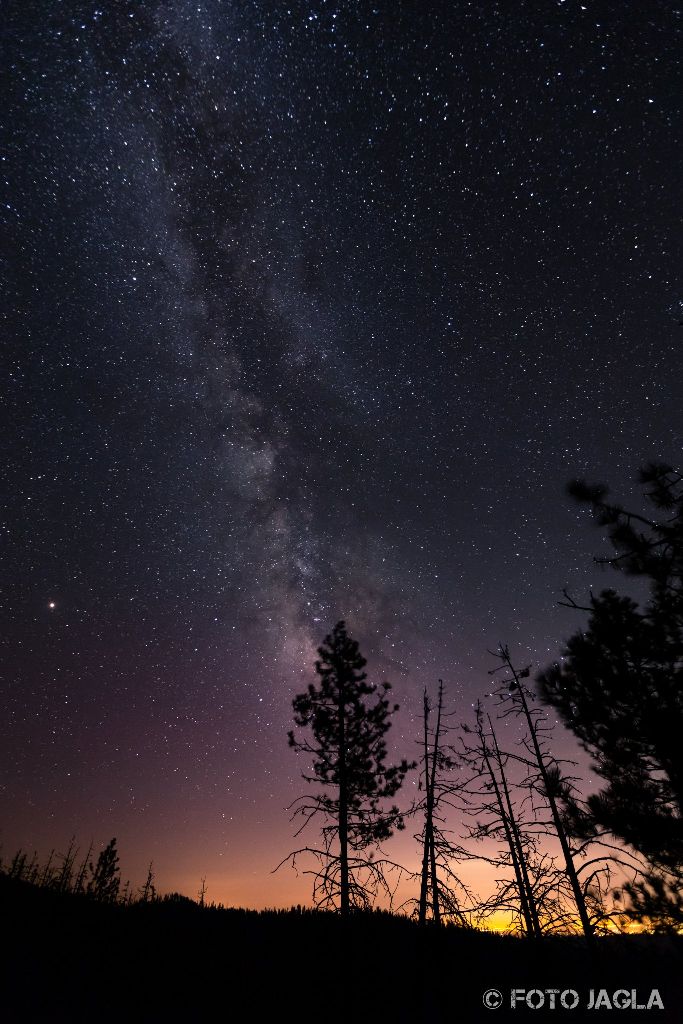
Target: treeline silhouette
77,958
68,872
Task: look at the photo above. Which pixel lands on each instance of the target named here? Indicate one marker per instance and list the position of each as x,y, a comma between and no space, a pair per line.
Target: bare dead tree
491,806
148,891
47,874
442,893
429,852
588,865
527,896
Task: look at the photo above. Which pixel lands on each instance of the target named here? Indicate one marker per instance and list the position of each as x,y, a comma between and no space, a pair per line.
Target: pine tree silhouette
619,688
348,719
105,880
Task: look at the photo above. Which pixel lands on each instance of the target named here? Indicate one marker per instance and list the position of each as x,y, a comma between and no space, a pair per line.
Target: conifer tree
619,688
346,720
105,880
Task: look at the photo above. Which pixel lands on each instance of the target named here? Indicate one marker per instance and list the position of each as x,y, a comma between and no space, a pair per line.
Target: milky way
311,311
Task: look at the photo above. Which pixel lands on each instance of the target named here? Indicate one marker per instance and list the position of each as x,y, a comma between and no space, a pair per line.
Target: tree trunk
557,820
523,902
424,885
514,828
344,892
428,848
436,914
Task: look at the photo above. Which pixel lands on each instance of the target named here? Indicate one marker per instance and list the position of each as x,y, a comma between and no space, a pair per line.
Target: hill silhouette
74,959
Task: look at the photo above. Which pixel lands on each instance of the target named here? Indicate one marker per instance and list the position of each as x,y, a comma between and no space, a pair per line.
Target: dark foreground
69,959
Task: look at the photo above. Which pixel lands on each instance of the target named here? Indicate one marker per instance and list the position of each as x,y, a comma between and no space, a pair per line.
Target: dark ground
69,959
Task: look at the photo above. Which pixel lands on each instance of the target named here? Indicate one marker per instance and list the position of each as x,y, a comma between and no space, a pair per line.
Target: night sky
310,311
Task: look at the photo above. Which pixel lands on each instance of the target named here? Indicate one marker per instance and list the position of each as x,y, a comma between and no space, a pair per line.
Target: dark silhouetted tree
105,880
148,891
495,764
429,763
48,873
547,779
492,807
79,881
442,892
619,688
346,720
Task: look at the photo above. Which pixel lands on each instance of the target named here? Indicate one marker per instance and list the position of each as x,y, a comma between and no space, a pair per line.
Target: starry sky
310,312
